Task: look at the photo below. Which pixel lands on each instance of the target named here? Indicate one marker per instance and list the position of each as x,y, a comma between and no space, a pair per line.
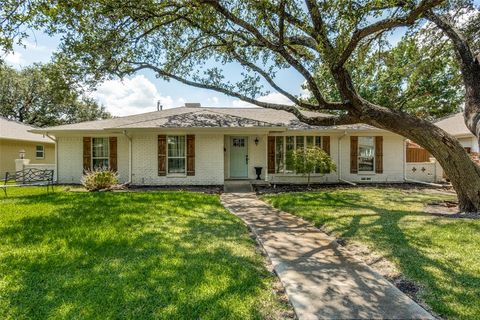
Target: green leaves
310,160
45,95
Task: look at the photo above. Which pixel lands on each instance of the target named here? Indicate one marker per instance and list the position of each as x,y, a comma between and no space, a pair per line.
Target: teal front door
238,157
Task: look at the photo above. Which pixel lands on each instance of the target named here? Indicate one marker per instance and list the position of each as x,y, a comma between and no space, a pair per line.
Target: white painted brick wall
70,158
209,168
393,157
210,161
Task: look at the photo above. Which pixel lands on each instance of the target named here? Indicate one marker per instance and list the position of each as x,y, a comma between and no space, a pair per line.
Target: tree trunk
471,79
463,173
470,69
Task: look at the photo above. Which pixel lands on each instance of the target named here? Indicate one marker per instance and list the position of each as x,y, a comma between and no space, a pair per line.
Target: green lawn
163,255
440,254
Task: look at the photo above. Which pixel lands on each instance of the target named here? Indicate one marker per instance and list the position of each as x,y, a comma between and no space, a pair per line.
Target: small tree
310,160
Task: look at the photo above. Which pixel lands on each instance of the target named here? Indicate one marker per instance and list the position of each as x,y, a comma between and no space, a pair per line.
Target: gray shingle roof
455,125
202,117
14,130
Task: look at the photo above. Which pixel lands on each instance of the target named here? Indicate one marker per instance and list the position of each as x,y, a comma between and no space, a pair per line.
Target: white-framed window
100,153
39,152
176,154
366,154
286,144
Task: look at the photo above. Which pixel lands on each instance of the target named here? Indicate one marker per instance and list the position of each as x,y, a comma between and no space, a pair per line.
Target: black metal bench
28,177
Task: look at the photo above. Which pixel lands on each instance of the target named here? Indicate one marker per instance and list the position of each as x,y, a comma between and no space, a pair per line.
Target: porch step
237,186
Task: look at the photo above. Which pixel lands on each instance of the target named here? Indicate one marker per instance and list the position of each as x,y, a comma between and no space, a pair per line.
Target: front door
238,157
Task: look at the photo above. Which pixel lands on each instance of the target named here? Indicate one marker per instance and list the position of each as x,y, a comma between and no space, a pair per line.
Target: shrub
99,179
310,160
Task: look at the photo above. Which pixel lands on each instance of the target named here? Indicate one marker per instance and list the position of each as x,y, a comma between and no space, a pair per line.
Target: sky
140,92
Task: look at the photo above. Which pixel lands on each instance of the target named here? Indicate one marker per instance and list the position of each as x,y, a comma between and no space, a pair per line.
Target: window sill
176,175
367,173
37,158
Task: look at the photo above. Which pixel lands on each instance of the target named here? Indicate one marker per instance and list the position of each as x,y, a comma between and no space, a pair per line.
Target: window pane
176,165
100,148
366,147
300,142
366,154
279,154
318,142
39,151
100,163
365,164
290,146
309,141
176,146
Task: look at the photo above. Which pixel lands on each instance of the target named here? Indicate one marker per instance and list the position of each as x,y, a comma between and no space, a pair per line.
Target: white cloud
273,97
132,96
14,58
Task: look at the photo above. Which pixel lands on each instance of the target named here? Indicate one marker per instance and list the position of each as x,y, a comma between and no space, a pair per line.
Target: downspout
56,154
339,172
129,156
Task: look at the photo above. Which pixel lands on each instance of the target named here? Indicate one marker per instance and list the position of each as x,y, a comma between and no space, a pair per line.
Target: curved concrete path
321,279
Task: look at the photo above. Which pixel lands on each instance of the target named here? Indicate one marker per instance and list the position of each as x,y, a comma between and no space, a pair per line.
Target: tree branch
315,121
275,48
385,24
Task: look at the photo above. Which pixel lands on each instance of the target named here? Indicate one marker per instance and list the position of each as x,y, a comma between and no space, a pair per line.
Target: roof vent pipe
159,106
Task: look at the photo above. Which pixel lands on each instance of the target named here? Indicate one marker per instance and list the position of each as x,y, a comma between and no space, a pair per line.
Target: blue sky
140,92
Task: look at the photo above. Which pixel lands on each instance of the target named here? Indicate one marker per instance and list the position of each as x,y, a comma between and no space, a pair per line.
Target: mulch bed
288,188
203,189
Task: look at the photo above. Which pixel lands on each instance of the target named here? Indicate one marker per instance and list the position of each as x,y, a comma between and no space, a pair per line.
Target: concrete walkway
321,279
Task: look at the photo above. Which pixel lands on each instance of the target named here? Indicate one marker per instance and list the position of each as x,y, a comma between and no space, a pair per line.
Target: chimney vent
159,106
192,105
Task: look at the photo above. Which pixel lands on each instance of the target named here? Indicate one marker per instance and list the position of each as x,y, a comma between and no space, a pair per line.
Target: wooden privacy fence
417,155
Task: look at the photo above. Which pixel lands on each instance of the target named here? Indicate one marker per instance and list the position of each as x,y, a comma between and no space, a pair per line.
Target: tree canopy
44,95
192,40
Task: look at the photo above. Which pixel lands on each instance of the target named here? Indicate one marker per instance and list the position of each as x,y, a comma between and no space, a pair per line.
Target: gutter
56,154
339,172
129,156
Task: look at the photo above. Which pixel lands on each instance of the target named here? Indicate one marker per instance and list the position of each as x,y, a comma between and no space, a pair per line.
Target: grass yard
440,254
162,255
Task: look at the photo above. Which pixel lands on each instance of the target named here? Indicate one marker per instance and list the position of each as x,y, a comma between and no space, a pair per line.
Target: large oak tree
45,95
190,41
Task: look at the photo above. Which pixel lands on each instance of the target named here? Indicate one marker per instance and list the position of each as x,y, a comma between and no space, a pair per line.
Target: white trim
108,152
43,152
176,174
370,172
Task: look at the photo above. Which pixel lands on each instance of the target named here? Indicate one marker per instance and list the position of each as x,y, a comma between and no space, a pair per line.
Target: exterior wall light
256,141
21,153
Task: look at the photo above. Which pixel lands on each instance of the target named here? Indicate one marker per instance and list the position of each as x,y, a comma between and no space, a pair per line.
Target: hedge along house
193,145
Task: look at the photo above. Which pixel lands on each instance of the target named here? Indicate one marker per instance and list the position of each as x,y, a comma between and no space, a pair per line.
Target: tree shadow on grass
409,238
149,255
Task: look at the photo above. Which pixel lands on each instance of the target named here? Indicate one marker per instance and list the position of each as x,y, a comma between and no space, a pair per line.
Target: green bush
310,160
99,179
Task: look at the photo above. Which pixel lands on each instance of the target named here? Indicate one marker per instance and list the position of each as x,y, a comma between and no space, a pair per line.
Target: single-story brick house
194,145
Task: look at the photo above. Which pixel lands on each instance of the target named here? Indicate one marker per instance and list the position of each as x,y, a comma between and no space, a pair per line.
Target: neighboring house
193,145
455,125
15,137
